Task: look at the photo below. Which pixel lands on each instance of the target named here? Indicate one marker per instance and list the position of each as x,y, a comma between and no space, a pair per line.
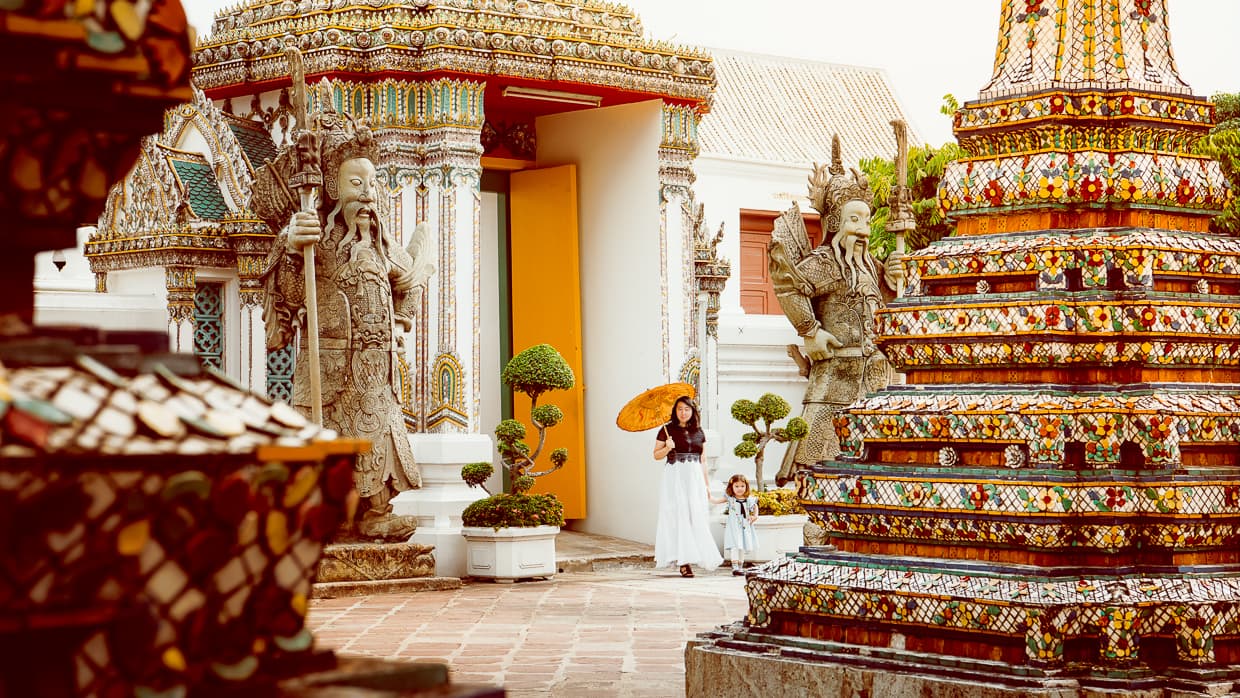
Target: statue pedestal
443,496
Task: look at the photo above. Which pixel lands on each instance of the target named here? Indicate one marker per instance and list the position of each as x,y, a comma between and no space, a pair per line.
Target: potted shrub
781,518
510,535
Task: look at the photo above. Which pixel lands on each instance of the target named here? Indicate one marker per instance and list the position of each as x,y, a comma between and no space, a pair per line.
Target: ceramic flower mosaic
1055,490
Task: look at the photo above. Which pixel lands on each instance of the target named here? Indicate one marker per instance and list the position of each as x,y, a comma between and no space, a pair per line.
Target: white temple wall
67,297
752,348
616,153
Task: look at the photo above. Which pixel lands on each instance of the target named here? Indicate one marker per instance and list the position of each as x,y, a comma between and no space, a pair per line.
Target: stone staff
307,180
900,218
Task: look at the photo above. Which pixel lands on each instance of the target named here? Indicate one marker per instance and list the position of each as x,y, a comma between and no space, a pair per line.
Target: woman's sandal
686,571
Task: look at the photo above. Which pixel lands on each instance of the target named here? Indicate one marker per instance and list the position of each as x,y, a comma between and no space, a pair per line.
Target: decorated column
676,225
181,283
433,175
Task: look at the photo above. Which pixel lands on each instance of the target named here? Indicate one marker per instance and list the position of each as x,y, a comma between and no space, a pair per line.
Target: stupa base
753,663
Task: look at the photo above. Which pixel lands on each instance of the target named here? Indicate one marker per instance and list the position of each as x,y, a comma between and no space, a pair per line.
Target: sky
929,49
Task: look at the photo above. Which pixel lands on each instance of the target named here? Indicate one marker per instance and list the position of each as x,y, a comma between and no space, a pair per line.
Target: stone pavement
617,631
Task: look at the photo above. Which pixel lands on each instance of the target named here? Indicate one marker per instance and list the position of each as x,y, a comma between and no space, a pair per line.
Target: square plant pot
507,554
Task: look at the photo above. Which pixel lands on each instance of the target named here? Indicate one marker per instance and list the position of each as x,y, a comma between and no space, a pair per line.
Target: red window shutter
757,295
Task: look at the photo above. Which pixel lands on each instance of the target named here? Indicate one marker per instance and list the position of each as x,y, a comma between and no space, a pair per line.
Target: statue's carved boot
386,526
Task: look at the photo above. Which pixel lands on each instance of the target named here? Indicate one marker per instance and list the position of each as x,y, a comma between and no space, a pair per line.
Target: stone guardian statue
830,294
364,282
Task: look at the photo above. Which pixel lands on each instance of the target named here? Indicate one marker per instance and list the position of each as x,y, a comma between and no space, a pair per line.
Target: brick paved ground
611,633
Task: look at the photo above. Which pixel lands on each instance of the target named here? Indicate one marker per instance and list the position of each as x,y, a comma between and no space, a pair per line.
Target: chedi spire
1086,122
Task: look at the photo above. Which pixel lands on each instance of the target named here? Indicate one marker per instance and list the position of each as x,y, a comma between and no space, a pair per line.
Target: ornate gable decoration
579,41
179,207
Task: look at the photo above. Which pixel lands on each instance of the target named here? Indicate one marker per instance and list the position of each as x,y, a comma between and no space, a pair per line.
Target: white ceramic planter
508,554
779,535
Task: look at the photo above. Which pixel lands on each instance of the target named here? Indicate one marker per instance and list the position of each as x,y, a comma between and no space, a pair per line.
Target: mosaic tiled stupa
1052,500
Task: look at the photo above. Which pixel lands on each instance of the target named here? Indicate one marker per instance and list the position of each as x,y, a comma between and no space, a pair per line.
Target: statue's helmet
342,138
831,187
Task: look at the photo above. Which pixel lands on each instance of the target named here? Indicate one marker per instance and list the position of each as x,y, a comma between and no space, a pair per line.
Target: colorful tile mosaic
1110,437
1067,44
1087,177
1045,422
172,520
1046,611
1141,254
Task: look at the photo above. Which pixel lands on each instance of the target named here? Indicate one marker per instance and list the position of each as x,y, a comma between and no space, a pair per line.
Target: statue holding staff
336,257
830,294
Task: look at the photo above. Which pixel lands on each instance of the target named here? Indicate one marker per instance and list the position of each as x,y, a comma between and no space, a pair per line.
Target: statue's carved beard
855,260
352,235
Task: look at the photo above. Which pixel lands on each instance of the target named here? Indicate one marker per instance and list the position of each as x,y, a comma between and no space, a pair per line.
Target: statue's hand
894,270
303,230
822,345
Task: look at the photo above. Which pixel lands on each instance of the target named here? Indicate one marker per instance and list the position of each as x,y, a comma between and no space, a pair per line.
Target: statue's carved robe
816,291
363,298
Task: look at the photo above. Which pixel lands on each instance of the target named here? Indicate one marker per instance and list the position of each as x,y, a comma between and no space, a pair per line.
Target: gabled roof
785,110
254,139
199,184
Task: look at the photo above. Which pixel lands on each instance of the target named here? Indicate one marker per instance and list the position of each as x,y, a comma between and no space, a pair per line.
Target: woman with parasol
683,533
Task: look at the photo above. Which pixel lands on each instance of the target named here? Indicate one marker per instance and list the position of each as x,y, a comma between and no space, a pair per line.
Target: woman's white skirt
683,534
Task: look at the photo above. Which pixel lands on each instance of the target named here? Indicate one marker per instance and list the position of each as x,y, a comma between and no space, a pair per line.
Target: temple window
280,364
757,294
209,324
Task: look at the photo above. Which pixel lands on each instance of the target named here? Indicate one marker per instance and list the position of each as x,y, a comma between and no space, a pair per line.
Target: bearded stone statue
364,284
830,294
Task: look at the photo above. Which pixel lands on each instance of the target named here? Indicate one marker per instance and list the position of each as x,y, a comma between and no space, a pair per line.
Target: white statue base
443,495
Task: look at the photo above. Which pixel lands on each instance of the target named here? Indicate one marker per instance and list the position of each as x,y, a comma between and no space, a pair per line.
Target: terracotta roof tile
785,110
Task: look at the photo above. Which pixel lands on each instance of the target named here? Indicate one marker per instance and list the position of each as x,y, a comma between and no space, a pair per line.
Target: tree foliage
769,409
925,169
537,370
926,165
1223,144
533,372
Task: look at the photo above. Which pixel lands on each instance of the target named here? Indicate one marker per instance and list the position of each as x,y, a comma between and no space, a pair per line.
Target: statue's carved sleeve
789,245
285,286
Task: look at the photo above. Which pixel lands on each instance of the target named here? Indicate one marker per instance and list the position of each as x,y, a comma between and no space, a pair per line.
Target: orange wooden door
546,309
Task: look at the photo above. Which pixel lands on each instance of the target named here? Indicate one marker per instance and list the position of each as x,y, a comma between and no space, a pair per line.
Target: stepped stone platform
356,569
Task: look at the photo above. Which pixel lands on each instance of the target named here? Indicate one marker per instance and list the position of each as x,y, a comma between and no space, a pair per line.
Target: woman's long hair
692,424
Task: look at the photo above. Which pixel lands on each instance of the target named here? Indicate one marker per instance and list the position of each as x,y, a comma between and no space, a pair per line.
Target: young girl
738,534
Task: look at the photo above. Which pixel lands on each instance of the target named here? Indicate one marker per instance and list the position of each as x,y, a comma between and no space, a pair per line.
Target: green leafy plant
779,502
533,372
514,510
926,165
760,417
1223,144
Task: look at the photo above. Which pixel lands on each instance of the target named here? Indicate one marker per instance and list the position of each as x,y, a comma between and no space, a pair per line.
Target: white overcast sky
928,48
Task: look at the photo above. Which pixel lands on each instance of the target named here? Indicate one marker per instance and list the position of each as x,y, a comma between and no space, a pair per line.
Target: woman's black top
688,439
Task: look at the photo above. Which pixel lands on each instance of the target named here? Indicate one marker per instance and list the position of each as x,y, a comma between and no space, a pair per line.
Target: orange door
546,309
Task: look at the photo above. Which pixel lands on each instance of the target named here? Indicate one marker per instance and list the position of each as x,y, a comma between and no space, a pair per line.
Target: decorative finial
837,157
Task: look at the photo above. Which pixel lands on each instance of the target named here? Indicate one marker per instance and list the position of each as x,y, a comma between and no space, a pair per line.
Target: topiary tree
769,408
533,372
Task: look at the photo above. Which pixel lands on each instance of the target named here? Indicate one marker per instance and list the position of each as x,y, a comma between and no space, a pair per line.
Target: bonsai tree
533,372
761,416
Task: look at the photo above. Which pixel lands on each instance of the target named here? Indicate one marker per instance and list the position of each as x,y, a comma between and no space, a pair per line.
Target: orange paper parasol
653,407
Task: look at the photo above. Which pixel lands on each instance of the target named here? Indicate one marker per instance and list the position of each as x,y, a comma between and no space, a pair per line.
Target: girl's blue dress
738,531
